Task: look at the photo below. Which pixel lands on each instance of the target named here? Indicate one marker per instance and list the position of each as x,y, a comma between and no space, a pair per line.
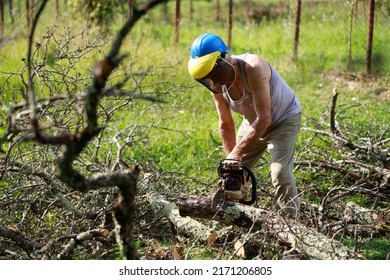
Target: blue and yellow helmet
205,51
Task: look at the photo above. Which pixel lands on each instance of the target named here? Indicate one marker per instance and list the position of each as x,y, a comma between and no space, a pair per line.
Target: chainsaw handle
236,162
254,183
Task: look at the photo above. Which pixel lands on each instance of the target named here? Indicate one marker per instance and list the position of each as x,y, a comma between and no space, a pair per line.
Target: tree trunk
191,10
301,238
10,9
124,221
230,24
57,8
1,18
350,34
28,20
184,225
297,26
218,12
177,21
370,35
130,5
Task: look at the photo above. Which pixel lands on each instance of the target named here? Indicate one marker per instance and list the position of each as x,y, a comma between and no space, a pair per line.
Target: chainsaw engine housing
233,183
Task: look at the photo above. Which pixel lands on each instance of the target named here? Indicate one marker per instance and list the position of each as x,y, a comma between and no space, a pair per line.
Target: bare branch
333,127
31,92
28,244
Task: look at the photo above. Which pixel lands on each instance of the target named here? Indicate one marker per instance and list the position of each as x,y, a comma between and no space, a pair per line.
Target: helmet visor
220,78
199,67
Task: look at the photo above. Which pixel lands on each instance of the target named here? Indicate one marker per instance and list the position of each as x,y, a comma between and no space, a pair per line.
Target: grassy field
186,137
180,136
320,68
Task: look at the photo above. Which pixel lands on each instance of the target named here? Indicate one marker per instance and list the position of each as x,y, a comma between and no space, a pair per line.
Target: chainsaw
233,185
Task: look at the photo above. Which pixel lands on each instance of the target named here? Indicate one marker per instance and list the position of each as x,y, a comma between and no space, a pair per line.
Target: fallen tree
299,237
183,224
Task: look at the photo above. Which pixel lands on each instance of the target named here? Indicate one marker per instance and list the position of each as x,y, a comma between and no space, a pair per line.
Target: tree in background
102,12
177,21
370,35
1,17
230,24
297,27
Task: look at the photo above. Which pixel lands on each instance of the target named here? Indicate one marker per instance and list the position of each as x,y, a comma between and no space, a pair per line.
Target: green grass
372,249
187,136
180,136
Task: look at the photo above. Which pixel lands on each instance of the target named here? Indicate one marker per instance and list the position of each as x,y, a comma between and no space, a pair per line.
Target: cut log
185,225
301,238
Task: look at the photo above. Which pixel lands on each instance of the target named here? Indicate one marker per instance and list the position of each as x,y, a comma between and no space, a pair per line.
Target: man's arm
226,123
258,75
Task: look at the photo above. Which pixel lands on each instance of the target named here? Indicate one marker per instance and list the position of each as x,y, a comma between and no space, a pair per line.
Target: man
250,86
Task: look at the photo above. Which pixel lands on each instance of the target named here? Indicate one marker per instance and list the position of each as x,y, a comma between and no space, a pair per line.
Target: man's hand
234,157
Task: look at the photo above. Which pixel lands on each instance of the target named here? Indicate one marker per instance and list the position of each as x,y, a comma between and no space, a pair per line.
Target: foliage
102,12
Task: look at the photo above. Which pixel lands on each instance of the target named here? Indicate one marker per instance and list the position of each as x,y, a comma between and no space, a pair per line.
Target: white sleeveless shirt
284,103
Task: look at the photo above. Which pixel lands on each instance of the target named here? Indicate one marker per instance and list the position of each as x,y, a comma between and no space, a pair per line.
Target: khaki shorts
280,141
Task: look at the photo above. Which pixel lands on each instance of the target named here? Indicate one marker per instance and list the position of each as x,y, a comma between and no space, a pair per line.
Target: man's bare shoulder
256,66
254,60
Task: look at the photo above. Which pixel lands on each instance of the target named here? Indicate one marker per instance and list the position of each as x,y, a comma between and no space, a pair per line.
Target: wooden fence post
297,25
177,21
370,35
230,25
1,18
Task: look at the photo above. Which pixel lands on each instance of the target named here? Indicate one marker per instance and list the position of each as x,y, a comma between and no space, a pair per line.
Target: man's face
223,74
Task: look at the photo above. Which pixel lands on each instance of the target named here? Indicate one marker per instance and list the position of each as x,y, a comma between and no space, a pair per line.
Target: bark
28,15
185,225
57,6
177,21
130,4
297,26
351,17
230,24
301,238
333,125
28,244
364,216
192,10
77,240
370,35
218,12
124,218
1,18
10,10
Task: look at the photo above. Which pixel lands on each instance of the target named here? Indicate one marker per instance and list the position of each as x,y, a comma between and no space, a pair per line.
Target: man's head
207,63
205,51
